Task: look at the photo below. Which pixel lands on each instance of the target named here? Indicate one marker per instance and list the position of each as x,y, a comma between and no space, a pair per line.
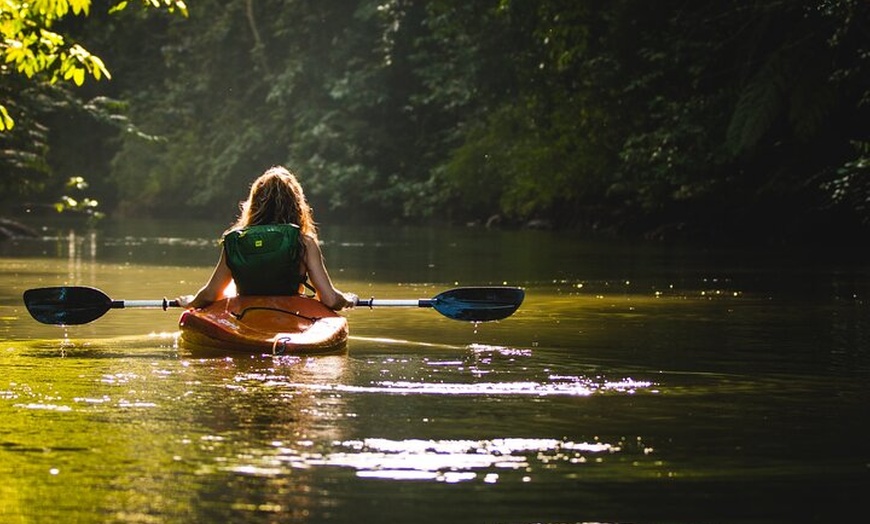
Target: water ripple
557,386
421,459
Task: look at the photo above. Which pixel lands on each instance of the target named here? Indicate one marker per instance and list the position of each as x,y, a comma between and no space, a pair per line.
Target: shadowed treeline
714,120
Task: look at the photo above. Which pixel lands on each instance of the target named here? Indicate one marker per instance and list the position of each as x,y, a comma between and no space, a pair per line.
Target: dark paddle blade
479,304
67,305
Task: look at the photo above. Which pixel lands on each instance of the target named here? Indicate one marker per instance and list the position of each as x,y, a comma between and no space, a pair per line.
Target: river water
637,383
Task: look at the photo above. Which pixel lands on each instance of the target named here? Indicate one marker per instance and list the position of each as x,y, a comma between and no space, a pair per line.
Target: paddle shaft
371,302
383,302
162,304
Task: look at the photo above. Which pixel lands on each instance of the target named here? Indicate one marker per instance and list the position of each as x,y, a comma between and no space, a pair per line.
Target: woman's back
265,259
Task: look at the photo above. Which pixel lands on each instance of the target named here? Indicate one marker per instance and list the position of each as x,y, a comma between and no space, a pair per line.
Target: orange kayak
281,325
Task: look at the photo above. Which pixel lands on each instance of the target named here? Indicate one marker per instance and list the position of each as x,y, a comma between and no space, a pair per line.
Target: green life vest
264,260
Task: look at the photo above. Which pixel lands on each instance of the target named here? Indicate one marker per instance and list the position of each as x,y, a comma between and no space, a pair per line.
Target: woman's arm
213,290
319,278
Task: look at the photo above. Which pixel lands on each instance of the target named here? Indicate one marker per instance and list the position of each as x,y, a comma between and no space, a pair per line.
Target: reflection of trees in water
81,251
259,416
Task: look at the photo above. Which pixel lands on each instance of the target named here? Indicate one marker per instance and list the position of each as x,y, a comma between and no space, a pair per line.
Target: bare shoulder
310,240
310,243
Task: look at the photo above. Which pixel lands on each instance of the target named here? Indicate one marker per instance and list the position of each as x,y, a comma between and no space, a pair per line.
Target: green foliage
620,114
849,186
730,111
33,49
24,149
30,47
39,57
623,115
79,203
536,149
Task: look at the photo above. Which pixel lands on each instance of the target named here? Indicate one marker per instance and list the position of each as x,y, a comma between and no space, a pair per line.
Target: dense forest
707,119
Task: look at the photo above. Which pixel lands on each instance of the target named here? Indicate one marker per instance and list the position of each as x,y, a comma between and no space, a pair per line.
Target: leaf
50,39
14,52
99,68
6,121
80,6
51,9
120,6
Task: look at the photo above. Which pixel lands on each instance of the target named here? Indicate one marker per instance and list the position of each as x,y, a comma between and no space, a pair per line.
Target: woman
277,219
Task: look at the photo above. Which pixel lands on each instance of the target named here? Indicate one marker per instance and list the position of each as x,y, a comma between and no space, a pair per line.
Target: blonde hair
276,197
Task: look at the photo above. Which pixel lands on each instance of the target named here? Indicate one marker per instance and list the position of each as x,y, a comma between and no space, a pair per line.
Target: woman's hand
184,300
350,300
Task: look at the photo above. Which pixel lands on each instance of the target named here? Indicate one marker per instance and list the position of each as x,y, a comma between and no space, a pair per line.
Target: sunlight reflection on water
556,384
493,460
440,460
575,387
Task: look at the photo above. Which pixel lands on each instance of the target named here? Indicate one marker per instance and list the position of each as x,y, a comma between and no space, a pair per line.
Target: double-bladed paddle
73,305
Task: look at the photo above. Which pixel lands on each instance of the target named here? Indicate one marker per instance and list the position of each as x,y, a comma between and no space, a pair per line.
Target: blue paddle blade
479,304
66,305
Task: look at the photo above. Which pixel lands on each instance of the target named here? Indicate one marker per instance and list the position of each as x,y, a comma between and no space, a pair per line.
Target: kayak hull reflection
281,325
